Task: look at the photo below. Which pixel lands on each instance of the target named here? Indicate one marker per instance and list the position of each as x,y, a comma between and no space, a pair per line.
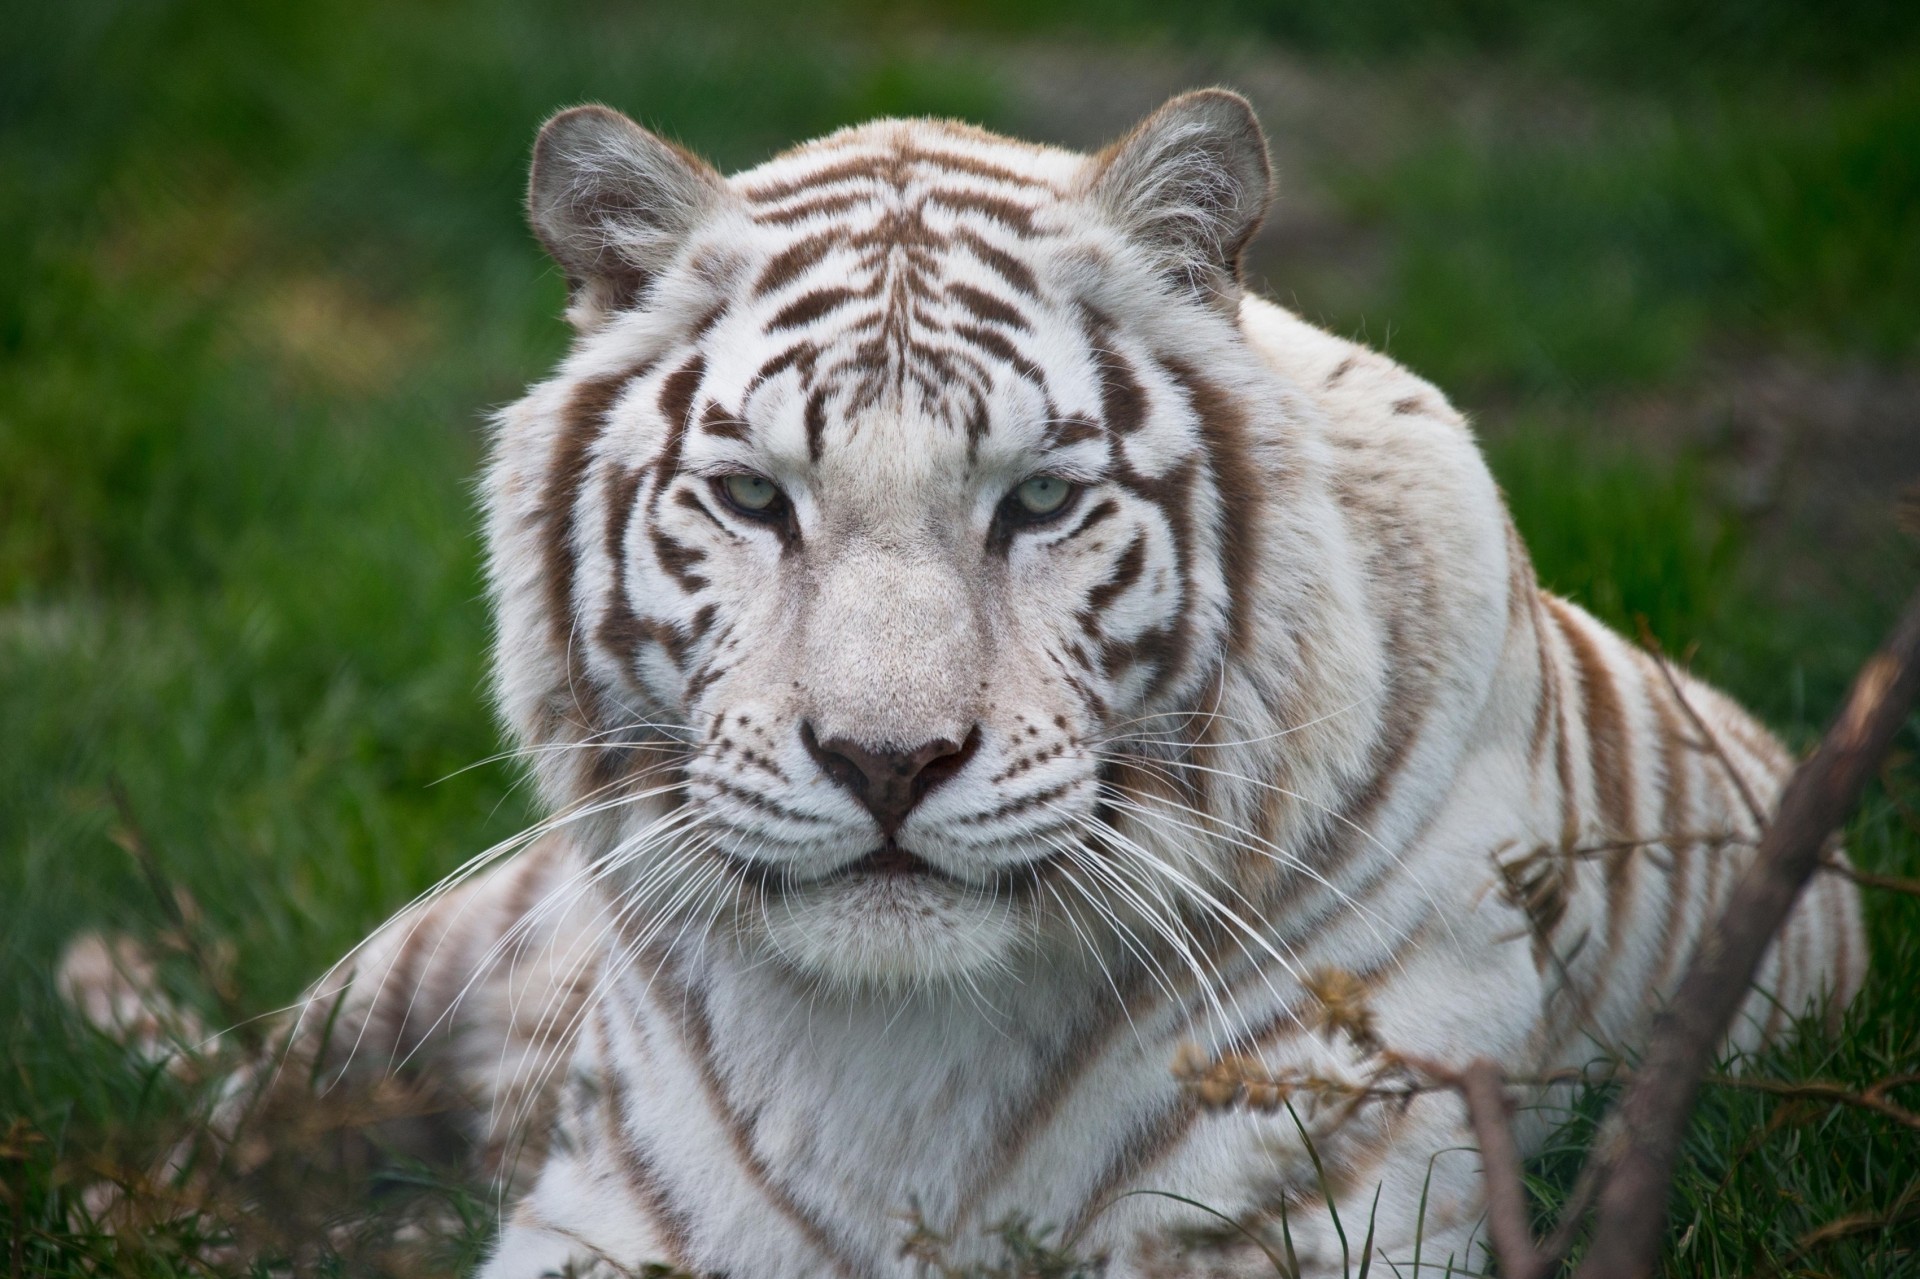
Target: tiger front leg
589,1214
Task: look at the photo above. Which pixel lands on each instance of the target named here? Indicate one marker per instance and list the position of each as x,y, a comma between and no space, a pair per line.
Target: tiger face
881,532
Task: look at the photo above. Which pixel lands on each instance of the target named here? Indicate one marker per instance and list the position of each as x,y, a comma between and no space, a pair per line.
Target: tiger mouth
893,863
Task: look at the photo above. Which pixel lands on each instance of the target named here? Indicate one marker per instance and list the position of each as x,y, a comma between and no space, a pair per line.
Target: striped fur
1277,692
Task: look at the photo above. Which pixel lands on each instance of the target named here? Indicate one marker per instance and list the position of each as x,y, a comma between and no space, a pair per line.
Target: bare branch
1509,1222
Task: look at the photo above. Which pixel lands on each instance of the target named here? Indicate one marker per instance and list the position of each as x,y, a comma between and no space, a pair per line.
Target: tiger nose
889,782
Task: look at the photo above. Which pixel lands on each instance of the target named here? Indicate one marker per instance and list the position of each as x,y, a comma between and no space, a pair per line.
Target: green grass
266,275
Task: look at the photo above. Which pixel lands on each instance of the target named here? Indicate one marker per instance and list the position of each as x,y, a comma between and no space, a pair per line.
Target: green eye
751,493
1043,494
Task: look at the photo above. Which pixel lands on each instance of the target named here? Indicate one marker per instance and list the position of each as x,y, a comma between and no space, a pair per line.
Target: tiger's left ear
614,204
1191,183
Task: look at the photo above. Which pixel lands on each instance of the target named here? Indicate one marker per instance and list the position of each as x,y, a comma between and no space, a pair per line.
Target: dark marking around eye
1104,509
688,498
678,559
1125,573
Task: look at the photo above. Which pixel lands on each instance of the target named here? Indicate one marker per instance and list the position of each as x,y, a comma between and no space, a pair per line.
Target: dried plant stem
1867,879
131,836
1873,1098
1709,740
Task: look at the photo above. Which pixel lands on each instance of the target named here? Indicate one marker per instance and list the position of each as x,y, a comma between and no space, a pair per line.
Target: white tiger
971,649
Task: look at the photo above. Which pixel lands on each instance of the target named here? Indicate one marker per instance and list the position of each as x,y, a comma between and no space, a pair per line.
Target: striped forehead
894,268
896,281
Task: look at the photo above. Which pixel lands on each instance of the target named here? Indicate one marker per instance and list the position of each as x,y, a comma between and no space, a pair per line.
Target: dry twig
1709,741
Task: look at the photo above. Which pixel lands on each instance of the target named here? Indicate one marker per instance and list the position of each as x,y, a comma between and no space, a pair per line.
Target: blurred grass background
265,274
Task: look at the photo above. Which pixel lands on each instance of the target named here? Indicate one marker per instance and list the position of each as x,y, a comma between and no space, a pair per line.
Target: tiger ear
612,204
1191,183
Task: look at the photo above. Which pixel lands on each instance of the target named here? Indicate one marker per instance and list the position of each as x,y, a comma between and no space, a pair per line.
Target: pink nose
889,782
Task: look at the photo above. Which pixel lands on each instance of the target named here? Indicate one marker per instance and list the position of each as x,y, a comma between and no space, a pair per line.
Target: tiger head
888,577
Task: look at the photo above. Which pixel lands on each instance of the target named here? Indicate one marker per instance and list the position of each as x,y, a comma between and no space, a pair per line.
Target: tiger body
1274,693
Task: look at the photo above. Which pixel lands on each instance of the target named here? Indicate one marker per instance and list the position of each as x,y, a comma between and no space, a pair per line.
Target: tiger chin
970,648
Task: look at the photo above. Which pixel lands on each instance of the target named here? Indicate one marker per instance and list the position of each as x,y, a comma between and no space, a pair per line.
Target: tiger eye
1043,494
751,492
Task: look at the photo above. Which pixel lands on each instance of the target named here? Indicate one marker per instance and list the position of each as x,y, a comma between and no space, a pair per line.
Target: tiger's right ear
1191,184
612,204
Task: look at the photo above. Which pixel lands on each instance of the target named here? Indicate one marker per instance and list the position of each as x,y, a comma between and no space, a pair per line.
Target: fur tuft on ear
613,204
1191,183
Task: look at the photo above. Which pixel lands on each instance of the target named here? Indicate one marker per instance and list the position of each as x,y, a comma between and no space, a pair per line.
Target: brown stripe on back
1676,819
398,984
1840,927
1609,747
1546,709
1570,805
1609,743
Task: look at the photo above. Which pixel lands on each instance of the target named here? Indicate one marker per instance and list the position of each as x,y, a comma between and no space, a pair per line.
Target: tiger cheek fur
970,650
